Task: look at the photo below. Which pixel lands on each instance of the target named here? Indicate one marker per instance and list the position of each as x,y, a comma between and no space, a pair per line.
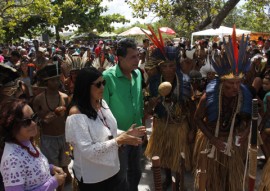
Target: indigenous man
223,115
73,64
169,139
10,85
50,106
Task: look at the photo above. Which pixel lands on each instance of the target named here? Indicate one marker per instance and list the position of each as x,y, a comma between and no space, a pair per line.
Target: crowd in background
26,75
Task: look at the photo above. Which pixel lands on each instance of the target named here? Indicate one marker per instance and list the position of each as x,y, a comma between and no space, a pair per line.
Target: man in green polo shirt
123,93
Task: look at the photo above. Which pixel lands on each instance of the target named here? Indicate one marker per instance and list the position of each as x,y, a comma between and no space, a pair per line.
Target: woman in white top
92,131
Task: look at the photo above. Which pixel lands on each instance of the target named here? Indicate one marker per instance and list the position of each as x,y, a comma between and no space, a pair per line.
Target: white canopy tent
221,31
134,31
108,34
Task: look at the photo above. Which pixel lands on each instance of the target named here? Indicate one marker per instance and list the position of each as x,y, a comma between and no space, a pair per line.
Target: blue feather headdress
234,62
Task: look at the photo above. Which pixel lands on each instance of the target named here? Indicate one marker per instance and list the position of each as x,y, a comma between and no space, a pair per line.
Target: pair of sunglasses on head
98,84
27,121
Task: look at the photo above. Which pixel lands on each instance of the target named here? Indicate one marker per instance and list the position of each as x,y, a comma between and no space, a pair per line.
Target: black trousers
111,184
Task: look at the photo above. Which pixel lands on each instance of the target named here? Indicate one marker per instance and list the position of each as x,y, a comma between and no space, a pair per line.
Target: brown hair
10,111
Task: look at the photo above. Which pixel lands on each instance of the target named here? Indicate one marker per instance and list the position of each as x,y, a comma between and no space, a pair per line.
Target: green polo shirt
124,96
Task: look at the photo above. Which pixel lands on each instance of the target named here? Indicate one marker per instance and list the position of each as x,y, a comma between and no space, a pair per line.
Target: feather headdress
234,62
161,53
75,62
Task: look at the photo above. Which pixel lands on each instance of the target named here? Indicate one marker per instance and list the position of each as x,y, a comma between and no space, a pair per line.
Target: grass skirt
169,143
221,173
265,181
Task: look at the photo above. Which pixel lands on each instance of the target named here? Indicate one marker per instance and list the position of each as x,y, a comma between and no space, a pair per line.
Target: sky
121,7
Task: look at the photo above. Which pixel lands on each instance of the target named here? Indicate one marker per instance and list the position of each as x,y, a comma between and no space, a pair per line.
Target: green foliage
18,18
33,17
192,15
87,14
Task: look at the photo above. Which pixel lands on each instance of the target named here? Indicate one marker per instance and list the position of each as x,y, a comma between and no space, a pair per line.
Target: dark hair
215,45
123,45
10,111
81,95
145,40
15,53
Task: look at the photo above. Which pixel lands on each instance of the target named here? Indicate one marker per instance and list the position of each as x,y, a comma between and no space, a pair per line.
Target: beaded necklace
35,155
58,104
103,120
226,123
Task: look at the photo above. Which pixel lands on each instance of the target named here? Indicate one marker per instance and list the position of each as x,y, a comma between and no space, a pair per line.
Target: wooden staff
253,149
173,184
202,171
180,178
156,173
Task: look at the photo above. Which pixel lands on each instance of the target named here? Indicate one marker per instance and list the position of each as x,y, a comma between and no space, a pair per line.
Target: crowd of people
88,102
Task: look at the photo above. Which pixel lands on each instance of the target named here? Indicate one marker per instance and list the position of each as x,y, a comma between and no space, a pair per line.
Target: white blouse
18,167
95,156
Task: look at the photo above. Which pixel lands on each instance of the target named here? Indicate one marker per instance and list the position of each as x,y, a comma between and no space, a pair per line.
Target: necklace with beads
58,104
33,154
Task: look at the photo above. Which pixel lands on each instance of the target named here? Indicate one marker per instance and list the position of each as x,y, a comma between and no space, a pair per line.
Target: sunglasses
98,84
27,121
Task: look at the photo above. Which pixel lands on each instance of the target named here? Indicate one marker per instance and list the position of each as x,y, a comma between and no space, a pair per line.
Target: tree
86,14
30,17
20,17
194,15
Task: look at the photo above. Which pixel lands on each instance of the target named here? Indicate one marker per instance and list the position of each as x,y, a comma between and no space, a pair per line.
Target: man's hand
219,144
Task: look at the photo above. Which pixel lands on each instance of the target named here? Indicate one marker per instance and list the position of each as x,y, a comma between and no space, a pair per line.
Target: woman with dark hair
92,131
23,166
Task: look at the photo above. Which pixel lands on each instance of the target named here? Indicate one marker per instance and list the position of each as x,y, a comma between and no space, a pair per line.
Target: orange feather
235,49
158,44
160,38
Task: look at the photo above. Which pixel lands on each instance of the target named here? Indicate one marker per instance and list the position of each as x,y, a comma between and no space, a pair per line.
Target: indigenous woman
223,116
23,166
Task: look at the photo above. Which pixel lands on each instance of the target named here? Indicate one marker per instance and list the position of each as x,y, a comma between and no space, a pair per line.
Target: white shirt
95,156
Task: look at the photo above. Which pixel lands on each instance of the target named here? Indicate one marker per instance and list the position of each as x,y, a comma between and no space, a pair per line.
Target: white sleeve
77,133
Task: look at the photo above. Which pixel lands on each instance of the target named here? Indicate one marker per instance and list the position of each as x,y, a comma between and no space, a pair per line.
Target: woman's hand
127,139
60,178
136,131
57,170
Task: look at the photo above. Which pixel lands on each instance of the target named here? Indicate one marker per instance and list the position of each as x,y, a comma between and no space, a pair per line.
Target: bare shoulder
201,109
63,95
203,99
39,98
74,110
